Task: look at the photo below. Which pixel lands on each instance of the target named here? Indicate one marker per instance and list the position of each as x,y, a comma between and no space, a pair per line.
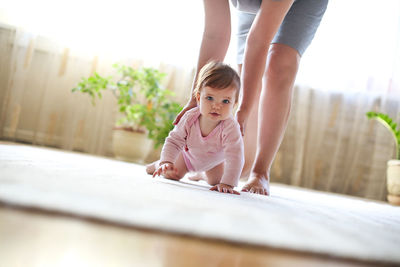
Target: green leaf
134,89
386,121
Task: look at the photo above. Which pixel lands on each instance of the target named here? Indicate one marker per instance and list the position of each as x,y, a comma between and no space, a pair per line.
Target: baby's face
216,104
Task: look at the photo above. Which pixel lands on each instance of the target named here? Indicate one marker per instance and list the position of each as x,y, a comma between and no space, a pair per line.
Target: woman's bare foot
151,168
257,183
198,177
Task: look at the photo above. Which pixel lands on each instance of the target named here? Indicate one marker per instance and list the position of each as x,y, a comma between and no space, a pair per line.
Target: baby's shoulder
189,117
193,112
231,125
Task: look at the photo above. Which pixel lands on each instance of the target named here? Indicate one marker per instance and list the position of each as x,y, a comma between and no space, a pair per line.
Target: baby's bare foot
258,184
197,177
151,168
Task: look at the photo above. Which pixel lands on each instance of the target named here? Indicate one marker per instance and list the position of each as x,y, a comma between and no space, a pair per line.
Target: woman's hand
224,188
190,104
241,117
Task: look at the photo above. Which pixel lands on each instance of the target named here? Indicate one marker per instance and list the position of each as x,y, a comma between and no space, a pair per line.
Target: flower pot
153,155
131,146
393,181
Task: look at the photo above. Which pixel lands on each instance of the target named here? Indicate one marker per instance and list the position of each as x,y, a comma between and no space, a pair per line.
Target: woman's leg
274,108
250,137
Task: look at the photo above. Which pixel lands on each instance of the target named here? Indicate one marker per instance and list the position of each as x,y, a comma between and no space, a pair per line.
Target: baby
207,139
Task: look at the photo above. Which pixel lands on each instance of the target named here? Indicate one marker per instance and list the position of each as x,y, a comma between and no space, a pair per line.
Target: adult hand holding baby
189,105
241,117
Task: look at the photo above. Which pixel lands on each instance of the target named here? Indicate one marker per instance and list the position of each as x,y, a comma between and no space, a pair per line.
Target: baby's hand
224,188
168,170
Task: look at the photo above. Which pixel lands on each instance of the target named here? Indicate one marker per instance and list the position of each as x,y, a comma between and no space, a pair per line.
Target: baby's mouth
214,114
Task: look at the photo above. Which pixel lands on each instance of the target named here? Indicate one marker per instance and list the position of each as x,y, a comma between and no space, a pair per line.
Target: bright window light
356,45
356,48
168,31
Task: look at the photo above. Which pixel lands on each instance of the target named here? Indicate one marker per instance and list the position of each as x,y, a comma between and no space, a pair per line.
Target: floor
41,237
36,238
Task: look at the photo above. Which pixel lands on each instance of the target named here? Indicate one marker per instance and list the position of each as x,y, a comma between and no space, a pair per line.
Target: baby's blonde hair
217,75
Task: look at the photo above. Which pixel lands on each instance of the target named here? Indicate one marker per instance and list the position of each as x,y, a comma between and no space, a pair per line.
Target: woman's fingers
191,104
179,116
241,119
241,127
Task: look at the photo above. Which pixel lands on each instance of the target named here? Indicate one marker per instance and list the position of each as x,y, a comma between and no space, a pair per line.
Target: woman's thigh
300,24
297,29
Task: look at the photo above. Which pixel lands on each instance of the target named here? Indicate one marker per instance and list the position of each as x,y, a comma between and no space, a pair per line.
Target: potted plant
393,165
145,108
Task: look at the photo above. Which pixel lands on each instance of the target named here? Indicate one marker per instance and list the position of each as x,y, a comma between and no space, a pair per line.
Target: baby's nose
217,105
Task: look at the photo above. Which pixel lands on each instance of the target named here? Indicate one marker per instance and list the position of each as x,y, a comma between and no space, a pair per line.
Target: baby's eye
209,98
226,101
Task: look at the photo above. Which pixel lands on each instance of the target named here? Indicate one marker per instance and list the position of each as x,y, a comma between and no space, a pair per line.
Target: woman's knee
283,63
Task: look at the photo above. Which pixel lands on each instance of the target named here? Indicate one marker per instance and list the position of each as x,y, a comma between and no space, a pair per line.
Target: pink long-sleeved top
223,144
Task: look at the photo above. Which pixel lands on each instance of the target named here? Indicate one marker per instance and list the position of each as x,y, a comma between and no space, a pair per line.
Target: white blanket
119,192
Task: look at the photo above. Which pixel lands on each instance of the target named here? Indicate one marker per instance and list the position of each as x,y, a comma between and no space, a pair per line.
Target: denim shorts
297,29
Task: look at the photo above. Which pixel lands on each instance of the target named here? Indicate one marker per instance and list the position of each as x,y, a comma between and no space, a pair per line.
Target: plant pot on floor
154,154
131,146
393,181
393,166
143,104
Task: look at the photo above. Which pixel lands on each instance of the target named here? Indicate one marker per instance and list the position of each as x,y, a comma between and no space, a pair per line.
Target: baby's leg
215,174
181,168
198,177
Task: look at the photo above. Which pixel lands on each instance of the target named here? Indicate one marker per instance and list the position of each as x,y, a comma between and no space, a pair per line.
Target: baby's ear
198,97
